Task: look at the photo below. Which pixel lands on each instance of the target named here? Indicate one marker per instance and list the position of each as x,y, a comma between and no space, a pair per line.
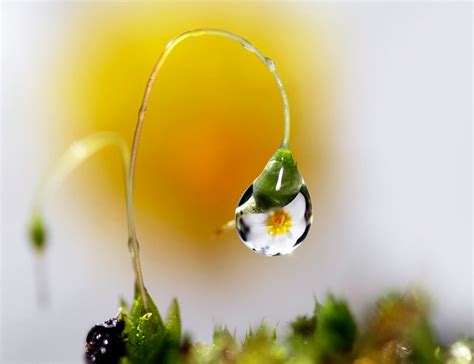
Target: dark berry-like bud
105,342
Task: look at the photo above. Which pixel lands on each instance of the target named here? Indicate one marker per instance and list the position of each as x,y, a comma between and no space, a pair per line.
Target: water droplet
403,351
247,46
275,231
270,63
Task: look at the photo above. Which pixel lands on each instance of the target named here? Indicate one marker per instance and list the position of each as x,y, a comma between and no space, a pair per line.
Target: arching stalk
75,155
268,62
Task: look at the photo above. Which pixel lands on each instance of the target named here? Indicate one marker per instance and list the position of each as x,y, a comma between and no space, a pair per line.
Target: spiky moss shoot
335,330
303,326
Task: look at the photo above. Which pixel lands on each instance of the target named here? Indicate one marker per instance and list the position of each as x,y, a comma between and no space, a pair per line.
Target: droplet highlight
270,64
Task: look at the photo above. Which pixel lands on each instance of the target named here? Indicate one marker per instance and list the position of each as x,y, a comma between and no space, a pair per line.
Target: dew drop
270,64
247,46
276,231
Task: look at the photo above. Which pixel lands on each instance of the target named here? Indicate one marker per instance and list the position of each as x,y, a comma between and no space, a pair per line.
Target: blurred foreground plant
397,331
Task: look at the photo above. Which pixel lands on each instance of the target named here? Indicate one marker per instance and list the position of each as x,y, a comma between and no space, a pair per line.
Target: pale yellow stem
268,62
75,155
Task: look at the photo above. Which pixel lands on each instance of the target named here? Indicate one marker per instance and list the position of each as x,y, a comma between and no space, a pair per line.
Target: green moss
398,331
335,330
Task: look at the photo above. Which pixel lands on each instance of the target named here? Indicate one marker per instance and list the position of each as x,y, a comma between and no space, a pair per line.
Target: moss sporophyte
272,217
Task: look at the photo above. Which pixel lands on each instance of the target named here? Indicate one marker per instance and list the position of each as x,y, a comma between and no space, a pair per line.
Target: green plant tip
37,232
335,329
279,182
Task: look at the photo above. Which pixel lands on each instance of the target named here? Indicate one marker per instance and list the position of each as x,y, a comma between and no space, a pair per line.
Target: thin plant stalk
74,156
42,284
268,62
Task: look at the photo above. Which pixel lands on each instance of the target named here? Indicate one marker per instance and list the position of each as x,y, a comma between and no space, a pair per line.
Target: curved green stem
169,47
75,155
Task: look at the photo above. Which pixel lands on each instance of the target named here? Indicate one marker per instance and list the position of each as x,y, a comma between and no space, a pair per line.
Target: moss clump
397,332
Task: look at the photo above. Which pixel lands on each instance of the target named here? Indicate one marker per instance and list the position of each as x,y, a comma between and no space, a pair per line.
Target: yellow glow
215,114
279,222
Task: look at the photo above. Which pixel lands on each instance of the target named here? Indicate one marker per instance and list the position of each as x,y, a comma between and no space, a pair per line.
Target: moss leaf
173,322
145,332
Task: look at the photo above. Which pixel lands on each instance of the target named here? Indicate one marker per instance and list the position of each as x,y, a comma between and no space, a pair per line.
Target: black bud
105,342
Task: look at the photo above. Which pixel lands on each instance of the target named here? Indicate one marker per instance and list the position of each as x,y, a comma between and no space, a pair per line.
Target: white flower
278,231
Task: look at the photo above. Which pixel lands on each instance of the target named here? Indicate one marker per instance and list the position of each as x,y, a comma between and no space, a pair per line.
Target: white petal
297,228
281,244
297,207
254,219
259,229
258,237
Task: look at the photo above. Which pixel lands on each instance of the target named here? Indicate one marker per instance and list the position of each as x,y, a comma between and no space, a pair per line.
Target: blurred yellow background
215,116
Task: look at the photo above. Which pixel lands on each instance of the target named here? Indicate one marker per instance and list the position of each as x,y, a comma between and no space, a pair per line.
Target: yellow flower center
279,222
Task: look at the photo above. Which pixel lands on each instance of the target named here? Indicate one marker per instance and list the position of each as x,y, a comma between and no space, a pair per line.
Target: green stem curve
134,245
169,47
